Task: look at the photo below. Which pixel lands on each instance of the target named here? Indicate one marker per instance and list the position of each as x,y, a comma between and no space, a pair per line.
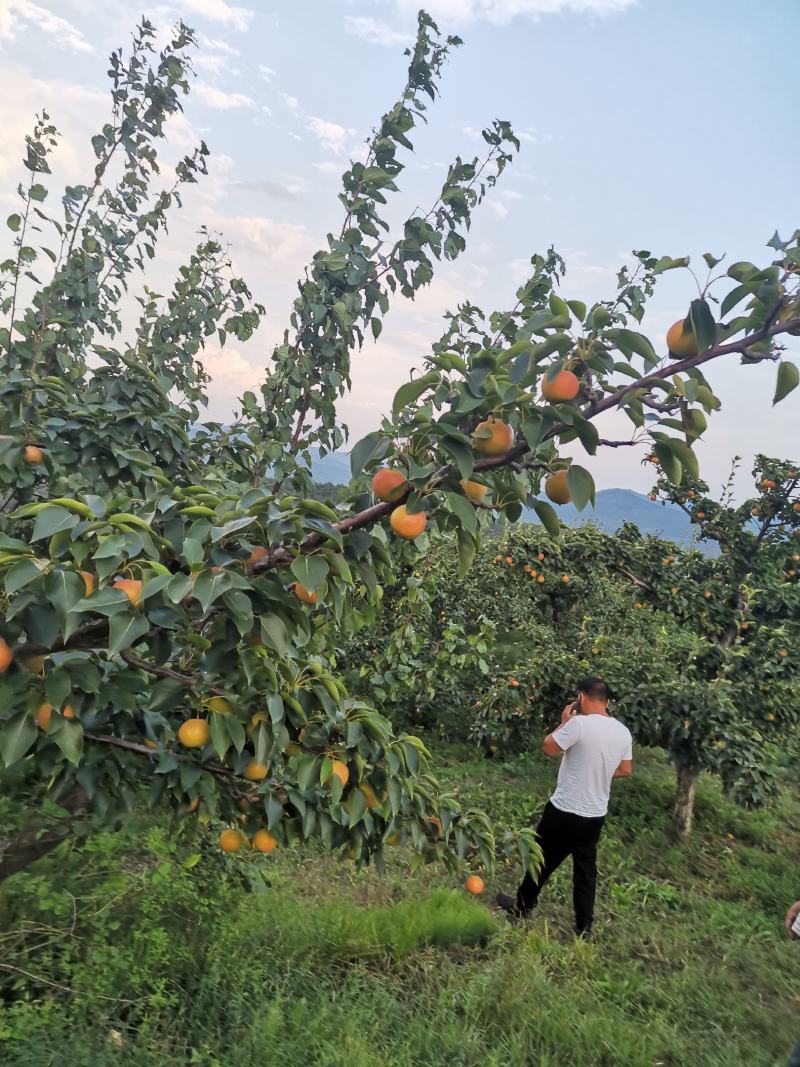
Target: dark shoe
510,906
585,934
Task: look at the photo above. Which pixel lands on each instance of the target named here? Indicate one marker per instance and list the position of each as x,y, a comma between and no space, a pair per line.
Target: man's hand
568,713
791,915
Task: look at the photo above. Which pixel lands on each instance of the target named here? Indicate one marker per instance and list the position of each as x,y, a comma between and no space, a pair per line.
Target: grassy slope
328,966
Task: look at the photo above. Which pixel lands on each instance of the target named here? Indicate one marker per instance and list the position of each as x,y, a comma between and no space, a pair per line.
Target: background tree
169,598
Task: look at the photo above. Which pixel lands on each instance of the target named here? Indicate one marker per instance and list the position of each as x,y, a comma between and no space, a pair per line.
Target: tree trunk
684,802
21,849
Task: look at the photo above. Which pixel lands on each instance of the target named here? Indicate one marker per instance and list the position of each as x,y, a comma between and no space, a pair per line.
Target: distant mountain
613,507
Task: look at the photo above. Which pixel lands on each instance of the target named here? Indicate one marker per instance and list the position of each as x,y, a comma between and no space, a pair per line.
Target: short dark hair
595,688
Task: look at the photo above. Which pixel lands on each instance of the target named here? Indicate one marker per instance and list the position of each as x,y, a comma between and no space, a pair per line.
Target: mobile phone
795,927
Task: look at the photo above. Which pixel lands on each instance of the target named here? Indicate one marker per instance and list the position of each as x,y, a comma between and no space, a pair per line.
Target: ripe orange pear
131,587
6,656
44,714
230,840
388,484
32,455
499,438
342,771
263,841
474,884
258,553
255,771
194,733
408,526
303,594
563,387
88,581
681,343
557,489
473,491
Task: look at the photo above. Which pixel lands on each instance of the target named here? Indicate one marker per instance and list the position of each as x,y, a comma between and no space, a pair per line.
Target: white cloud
470,131
330,135
221,100
328,167
231,375
375,31
511,194
216,44
501,12
238,18
267,73
289,101
499,209
13,13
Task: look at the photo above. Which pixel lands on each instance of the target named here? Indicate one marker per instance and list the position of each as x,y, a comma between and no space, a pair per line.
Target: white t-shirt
594,746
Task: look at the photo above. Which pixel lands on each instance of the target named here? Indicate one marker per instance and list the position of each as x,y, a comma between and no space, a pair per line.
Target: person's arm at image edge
791,915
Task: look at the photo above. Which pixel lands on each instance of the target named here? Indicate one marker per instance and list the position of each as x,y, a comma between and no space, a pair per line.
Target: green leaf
124,628
64,589
22,573
461,507
581,486
16,737
462,454
310,571
788,379
466,554
57,687
703,325
218,532
547,517
586,432
413,390
274,634
238,603
669,464
631,343
220,738
739,292
208,586
374,445
14,222
533,429
106,601
53,519
69,738
192,551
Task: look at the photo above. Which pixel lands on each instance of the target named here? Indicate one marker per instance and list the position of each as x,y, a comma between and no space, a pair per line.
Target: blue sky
658,124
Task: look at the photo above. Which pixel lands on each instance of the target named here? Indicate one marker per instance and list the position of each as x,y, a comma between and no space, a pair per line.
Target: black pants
563,834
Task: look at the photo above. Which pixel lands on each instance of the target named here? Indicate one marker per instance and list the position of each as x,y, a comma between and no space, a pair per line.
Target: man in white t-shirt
595,748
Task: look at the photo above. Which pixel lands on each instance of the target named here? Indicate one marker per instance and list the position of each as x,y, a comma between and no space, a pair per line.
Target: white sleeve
566,736
628,746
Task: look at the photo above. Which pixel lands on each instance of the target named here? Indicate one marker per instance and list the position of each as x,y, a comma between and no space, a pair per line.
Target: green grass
138,959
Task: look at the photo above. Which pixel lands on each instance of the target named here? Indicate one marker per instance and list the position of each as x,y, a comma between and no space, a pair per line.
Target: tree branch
187,680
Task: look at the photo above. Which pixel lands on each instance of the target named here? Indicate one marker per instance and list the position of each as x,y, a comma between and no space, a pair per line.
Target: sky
651,124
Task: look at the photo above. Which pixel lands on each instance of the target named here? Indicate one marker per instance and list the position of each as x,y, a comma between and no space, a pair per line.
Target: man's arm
552,747
625,769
